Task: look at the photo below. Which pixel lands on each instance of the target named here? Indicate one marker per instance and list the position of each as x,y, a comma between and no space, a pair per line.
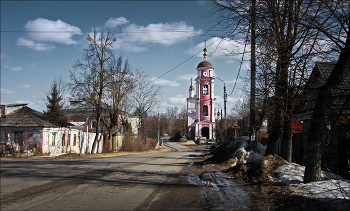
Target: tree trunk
280,93
96,140
287,134
319,116
343,157
110,140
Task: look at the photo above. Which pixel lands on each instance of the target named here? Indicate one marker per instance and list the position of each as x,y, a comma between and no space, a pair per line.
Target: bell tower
205,101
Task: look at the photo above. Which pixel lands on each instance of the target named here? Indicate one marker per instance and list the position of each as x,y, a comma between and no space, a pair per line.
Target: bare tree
90,78
332,20
120,84
144,97
280,40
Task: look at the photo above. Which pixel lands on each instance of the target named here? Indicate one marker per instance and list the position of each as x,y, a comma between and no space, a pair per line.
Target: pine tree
54,105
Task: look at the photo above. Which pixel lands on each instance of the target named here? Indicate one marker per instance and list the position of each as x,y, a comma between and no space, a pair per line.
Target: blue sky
154,36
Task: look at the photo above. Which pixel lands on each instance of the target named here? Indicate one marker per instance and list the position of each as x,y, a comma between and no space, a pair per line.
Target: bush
133,143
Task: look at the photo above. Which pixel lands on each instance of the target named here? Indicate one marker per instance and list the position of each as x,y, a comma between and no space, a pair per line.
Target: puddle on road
217,191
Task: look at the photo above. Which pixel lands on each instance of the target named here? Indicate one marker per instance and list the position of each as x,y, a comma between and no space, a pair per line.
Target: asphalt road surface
134,182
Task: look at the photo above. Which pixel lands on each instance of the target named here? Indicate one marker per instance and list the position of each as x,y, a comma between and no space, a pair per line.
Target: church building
201,106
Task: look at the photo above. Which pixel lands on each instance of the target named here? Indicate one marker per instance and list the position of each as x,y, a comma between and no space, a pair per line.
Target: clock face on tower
205,73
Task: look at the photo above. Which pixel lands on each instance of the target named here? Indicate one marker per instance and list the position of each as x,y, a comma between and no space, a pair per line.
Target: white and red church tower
201,107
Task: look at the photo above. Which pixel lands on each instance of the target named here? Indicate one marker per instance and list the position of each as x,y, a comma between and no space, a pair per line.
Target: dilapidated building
24,130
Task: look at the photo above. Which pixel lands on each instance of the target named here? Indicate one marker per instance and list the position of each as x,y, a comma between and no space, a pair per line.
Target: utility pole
225,100
158,130
252,125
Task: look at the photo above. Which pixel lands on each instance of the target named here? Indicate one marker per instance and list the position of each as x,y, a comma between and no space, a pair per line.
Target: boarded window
75,140
63,140
19,138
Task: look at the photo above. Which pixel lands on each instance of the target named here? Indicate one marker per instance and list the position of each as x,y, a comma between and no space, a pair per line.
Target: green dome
205,64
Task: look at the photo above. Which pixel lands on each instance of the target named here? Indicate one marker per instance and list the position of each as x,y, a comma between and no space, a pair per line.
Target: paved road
118,183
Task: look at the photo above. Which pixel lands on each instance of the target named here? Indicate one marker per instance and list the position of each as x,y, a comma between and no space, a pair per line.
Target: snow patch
332,189
243,156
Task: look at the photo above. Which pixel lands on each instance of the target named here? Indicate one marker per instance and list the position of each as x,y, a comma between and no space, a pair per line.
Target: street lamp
225,100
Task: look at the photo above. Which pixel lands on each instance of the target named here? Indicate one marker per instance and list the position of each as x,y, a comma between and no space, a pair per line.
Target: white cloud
27,86
134,36
35,46
3,56
62,32
187,77
177,100
7,91
160,81
114,22
42,31
16,69
218,47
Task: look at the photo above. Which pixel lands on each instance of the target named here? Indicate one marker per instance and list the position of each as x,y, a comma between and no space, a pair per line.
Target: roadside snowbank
241,155
332,189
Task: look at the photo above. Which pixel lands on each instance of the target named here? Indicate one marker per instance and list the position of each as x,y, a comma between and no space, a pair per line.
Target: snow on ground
332,189
243,156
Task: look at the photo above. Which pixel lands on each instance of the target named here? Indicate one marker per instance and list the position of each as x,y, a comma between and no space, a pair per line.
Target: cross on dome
205,50
191,87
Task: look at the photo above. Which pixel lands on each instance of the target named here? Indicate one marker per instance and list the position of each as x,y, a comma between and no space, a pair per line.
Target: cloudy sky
41,40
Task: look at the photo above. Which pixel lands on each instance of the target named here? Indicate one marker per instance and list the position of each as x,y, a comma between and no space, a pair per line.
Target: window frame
205,90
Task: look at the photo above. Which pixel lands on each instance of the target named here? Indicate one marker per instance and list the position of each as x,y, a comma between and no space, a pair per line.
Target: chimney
3,111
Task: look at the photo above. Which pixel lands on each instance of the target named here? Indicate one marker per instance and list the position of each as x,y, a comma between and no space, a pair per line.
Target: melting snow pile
332,189
241,155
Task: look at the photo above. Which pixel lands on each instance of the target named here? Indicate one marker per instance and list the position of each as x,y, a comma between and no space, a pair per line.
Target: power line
240,66
181,63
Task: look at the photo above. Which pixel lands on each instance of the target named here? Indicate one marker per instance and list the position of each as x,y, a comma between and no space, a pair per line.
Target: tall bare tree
280,38
90,77
120,84
144,97
332,20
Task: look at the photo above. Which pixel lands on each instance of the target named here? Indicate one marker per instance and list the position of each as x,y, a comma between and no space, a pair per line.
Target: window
53,139
75,140
63,139
205,110
205,89
94,124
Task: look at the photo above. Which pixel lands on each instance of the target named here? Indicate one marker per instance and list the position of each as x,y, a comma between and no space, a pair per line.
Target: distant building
201,107
24,130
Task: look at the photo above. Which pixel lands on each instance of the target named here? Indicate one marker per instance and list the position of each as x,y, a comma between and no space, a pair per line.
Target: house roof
318,77
26,117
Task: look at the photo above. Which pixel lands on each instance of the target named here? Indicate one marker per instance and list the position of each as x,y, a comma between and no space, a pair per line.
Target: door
205,132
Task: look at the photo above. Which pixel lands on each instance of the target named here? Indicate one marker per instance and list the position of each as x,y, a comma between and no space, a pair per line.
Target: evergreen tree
54,104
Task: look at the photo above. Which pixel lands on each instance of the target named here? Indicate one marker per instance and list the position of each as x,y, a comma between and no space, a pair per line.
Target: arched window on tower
205,89
205,110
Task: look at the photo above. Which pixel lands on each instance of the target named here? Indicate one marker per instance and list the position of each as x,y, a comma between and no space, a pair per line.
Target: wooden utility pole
252,125
225,100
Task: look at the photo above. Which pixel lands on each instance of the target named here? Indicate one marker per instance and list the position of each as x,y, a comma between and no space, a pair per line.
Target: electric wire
240,66
181,63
